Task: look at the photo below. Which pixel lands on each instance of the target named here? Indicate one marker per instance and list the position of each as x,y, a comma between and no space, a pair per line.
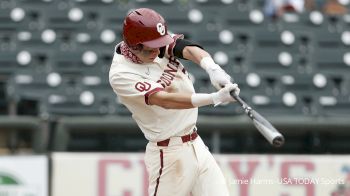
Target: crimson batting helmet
146,26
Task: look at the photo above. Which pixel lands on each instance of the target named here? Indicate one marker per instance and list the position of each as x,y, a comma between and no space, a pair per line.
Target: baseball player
154,85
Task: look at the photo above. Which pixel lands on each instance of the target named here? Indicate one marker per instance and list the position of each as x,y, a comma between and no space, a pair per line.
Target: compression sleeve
180,45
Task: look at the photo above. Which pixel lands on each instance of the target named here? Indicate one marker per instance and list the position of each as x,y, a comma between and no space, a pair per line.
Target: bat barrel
278,141
274,137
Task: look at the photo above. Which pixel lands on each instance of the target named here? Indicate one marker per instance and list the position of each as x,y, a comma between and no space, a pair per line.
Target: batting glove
223,96
218,77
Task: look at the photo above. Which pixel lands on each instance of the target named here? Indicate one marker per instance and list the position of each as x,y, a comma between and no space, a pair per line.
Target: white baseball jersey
134,83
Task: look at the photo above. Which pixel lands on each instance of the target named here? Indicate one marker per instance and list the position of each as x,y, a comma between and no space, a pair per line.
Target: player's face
147,55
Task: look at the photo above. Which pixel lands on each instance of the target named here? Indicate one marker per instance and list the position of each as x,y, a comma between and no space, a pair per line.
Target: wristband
201,99
216,99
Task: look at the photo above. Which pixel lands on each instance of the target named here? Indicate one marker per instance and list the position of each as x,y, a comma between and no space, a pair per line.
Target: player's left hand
218,77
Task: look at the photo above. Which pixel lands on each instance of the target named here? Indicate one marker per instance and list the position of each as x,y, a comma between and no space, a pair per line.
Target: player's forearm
194,54
182,100
171,100
186,100
218,76
200,57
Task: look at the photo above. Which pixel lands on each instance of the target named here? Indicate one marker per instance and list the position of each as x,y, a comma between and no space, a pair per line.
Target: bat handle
233,94
244,105
238,99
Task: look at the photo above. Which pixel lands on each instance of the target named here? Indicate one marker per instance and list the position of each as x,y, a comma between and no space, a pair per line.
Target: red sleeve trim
152,92
172,45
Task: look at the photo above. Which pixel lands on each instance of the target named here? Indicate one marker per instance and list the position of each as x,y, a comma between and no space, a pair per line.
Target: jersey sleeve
130,86
169,50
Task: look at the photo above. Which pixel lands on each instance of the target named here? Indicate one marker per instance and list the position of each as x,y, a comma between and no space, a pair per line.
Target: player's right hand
223,96
218,77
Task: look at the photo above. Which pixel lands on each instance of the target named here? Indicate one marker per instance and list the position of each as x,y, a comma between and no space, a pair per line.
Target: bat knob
278,141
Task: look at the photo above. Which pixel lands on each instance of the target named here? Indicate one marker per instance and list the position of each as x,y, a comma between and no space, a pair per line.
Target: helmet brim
160,42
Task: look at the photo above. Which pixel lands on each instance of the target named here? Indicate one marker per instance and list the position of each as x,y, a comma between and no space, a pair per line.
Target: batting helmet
147,27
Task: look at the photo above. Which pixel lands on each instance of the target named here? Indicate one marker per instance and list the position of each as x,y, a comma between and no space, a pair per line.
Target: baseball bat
272,135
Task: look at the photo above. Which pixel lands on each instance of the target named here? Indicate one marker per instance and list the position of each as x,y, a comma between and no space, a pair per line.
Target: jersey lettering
169,73
142,86
174,61
165,81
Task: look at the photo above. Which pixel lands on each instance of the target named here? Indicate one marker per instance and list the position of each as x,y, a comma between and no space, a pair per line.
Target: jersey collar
126,52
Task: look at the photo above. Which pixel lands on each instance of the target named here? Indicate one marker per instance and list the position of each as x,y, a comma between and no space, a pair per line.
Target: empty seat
334,105
67,18
328,39
83,101
273,59
286,104
328,58
264,38
7,63
113,15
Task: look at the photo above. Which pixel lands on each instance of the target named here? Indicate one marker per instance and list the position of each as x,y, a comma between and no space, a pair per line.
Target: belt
185,138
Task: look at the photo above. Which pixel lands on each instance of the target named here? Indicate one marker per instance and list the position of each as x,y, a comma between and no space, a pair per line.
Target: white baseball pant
183,169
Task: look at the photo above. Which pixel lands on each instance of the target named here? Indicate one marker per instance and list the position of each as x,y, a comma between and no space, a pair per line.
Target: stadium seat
326,39
55,58
265,38
265,59
7,63
334,105
328,58
27,85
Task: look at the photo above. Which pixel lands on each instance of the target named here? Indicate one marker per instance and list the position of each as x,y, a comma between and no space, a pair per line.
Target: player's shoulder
123,69
121,64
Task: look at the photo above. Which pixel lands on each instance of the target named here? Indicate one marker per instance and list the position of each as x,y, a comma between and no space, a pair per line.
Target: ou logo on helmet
161,29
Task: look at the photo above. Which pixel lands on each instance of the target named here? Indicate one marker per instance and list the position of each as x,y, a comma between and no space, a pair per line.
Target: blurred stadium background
60,120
